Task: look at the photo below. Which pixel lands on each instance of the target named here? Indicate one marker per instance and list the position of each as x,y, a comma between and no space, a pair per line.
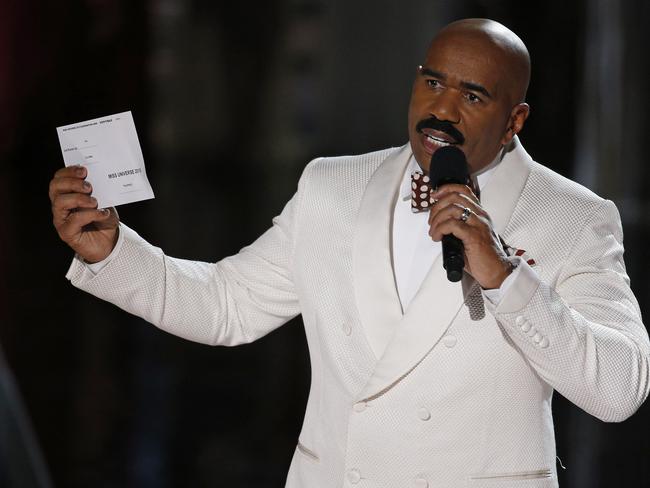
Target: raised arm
233,301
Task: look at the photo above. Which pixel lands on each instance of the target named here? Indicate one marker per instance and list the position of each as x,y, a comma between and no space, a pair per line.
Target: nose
444,106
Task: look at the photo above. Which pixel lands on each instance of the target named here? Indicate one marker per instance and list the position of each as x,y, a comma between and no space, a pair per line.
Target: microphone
449,165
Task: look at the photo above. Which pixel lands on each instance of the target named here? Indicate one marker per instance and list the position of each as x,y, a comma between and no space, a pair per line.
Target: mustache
443,126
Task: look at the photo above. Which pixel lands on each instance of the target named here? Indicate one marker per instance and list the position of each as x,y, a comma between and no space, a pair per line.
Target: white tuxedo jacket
461,396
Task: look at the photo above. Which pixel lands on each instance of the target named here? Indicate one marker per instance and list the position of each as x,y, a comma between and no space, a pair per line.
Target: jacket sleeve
585,336
233,301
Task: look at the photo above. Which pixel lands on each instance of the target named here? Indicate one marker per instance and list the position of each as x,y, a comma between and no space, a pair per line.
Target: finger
65,177
453,213
68,203
76,221
454,188
71,172
66,184
450,212
452,226
456,200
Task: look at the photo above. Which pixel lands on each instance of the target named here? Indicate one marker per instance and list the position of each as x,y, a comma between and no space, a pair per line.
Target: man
416,381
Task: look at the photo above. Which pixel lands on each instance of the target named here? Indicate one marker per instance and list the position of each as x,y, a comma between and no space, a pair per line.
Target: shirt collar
405,187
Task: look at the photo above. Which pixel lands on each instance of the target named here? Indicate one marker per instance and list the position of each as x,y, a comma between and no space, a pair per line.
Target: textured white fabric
458,398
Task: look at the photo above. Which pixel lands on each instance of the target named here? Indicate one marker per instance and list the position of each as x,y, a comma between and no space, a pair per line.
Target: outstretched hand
90,232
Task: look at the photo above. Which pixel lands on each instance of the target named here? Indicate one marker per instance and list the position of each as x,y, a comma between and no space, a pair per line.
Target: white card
109,148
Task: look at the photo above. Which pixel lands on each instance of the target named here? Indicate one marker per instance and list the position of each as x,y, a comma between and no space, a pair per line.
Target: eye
472,98
432,83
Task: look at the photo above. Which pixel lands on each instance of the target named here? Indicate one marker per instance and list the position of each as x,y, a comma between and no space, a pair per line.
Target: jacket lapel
438,301
429,314
502,192
374,282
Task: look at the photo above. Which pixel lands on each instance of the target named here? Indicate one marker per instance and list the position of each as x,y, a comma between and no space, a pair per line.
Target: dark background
218,89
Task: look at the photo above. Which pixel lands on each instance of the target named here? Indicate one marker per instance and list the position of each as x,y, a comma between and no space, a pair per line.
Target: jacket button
520,320
354,476
347,328
421,483
531,332
424,414
543,343
359,407
537,338
449,340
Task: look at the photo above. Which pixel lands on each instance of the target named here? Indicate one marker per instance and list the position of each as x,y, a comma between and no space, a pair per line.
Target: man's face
461,96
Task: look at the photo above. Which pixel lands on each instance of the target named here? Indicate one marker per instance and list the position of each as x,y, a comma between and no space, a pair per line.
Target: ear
516,121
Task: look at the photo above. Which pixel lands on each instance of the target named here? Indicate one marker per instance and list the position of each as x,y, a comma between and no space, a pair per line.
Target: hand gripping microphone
448,165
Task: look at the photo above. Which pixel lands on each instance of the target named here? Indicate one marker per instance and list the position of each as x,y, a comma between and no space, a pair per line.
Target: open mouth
433,139
438,140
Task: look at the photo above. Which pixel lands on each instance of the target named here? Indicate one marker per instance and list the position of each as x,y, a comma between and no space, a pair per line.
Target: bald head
496,40
469,92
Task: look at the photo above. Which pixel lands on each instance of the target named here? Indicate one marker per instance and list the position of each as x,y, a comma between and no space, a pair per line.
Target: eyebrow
468,85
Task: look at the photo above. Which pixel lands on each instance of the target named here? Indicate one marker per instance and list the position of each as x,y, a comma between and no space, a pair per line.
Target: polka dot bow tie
422,193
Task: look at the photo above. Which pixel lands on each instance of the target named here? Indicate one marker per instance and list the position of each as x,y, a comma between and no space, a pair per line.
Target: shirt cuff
95,268
496,294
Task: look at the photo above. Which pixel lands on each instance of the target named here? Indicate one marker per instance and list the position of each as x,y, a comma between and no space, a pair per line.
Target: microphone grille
448,165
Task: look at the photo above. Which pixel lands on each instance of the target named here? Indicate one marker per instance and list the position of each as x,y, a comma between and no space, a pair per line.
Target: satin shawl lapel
438,301
374,281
